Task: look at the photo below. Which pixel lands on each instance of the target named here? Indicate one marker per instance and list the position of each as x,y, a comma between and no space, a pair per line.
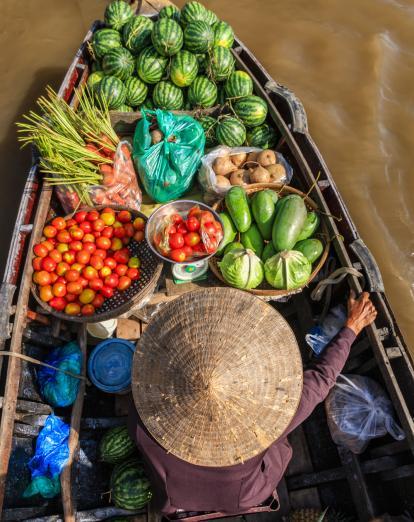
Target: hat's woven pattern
217,376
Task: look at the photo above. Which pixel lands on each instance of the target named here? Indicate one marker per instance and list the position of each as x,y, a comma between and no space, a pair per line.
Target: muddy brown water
351,63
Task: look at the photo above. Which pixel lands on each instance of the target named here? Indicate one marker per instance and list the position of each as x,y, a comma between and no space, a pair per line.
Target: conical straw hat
217,376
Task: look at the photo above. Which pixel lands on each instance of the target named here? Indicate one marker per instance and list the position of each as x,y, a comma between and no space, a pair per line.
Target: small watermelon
116,445
125,108
167,37
192,12
223,34
252,110
211,18
130,487
151,66
148,104
136,33
94,80
220,64
198,37
112,91
167,96
104,40
184,68
262,136
238,85
136,91
231,132
118,62
208,123
202,92
117,14
170,11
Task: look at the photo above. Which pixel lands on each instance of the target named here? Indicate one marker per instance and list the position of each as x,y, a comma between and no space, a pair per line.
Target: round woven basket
217,376
120,302
265,290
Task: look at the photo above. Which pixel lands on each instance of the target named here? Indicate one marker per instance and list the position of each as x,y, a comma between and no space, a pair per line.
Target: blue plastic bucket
110,365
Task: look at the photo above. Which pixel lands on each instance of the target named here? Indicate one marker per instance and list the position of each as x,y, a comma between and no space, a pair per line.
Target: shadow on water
16,162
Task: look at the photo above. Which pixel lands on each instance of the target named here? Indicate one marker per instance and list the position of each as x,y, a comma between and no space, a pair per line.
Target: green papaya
288,223
238,207
253,240
268,251
235,245
229,231
311,248
273,194
264,210
311,225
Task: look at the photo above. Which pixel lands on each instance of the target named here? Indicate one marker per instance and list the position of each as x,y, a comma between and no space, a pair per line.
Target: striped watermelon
231,132
148,104
262,136
198,37
116,445
151,66
239,84
130,487
136,91
167,96
94,80
223,34
117,14
125,108
118,62
104,40
220,64
193,11
202,92
184,68
252,110
170,11
202,62
136,33
112,91
211,18
167,37
208,123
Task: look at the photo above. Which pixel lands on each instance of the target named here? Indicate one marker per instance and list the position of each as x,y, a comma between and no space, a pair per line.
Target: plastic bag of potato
224,167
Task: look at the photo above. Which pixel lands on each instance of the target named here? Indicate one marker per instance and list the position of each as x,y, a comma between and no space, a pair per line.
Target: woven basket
265,290
120,302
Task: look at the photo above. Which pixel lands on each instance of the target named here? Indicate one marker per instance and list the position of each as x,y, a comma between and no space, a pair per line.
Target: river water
351,63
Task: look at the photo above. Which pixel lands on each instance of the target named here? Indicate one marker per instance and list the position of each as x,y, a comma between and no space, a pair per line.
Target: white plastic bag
207,177
359,410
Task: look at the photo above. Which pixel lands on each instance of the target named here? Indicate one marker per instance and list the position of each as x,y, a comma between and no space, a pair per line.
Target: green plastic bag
167,168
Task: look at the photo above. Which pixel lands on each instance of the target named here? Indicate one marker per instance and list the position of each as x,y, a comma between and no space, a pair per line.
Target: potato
240,177
223,166
252,156
266,158
238,159
277,173
156,136
222,181
260,175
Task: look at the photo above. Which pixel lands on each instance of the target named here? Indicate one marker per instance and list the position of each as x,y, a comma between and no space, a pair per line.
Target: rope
336,277
36,361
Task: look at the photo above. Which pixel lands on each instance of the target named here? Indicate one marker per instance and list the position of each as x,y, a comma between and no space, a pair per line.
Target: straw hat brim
217,376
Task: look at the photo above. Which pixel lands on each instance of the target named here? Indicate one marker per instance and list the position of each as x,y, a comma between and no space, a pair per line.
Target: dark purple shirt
231,489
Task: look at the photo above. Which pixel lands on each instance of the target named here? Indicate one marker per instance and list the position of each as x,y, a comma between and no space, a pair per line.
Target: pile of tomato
183,238
84,260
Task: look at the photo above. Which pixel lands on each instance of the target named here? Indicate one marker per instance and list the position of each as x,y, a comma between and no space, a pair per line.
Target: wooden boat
381,480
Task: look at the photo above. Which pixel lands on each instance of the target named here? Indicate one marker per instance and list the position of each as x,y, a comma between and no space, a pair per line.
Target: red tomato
48,264
78,267
188,251
55,255
96,234
54,277
122,256
129,229
99,300
93,215
49,231
71,298
124,283
59,223
80,216
70,223
96,284
86,227
111,281
49,244
108,218
98,225
176,240
121,270
195,211
96,262
103,243
178,255
63,236
62,268
116,244
45,293
89,247
181,228
105,271
139,236
87,296
193,224
59,290
139,223
210,228
37,263
69,257
58,303
62,247
119,232
84,282
72,308
72,275
107,232
108,210
199,248
124,216
42,278
88,309
176,218
76,233
133,273
83,257
89,273
107,291
74,287
100,253
77,246
192,238
111,262
40,250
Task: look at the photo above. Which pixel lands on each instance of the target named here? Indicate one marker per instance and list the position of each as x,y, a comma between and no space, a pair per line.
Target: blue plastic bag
167,168
57,388
52,453
320,335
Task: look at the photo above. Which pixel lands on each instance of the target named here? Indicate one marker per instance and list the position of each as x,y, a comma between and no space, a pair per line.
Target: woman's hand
361,312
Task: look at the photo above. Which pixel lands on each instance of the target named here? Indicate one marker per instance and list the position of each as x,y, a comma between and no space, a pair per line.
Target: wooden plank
36,408
128,329
14,364
69,509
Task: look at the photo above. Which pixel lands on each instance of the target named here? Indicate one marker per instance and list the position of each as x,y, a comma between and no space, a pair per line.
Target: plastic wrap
359,410
207,177
320,335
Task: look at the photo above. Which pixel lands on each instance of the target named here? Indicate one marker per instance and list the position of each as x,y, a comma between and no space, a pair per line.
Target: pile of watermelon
130,488
182,61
